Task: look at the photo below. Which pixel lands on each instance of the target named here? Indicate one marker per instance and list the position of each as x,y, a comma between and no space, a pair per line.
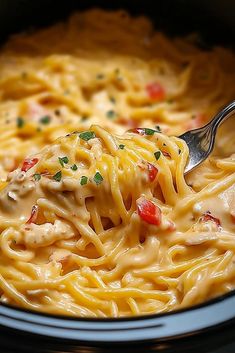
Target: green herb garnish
121,147
111,114
63,161
157,155
37,176
148,131
98,178
83,180
20,122
45,120
57,176
87,135
74,167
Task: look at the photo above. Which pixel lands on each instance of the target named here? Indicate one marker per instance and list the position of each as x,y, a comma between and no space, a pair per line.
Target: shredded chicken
36,236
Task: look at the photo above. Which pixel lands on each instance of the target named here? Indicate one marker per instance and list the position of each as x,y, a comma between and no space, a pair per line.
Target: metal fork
201,141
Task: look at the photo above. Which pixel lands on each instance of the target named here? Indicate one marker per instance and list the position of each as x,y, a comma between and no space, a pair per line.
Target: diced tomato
152,171
155,91
28,164
208,217
149,212
166,154
138,130
33,216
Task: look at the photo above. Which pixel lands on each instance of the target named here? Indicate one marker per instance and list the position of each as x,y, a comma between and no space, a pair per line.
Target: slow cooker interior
213,19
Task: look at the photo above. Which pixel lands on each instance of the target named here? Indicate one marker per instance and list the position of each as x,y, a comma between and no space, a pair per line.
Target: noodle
99,220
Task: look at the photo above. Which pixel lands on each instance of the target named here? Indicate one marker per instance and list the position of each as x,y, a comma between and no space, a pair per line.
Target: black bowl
209,327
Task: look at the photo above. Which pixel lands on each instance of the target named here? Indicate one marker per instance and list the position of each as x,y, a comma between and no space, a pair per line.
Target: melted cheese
73,238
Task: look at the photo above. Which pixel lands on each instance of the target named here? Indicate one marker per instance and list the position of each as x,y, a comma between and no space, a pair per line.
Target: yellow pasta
96,216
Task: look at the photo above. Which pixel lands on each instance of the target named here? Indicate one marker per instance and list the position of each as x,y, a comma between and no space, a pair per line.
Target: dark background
214,18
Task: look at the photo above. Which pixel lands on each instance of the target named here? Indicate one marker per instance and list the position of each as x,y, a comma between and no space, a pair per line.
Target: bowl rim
164,326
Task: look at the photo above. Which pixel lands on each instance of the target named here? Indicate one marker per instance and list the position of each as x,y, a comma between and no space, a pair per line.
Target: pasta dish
97,218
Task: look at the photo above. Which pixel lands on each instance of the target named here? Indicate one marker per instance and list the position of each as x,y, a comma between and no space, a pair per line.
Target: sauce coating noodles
101,222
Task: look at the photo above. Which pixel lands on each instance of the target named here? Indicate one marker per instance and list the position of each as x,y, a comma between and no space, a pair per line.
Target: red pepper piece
152,172
155,91
33,216
166,154
149,212
138,130
208,217
28,164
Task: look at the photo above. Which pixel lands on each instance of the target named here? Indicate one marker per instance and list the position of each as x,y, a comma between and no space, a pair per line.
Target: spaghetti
101,222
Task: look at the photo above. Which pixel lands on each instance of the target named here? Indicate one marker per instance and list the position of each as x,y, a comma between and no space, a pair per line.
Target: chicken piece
35,236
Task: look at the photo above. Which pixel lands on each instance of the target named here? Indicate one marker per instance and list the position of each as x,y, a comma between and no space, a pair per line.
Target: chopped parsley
121,147
74,167
45,120
37,176
83,180
111,114
87,135
57,176
63,161
98,178
157,155
20,122
148,131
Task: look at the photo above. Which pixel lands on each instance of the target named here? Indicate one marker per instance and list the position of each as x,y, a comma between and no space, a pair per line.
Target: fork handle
223,115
